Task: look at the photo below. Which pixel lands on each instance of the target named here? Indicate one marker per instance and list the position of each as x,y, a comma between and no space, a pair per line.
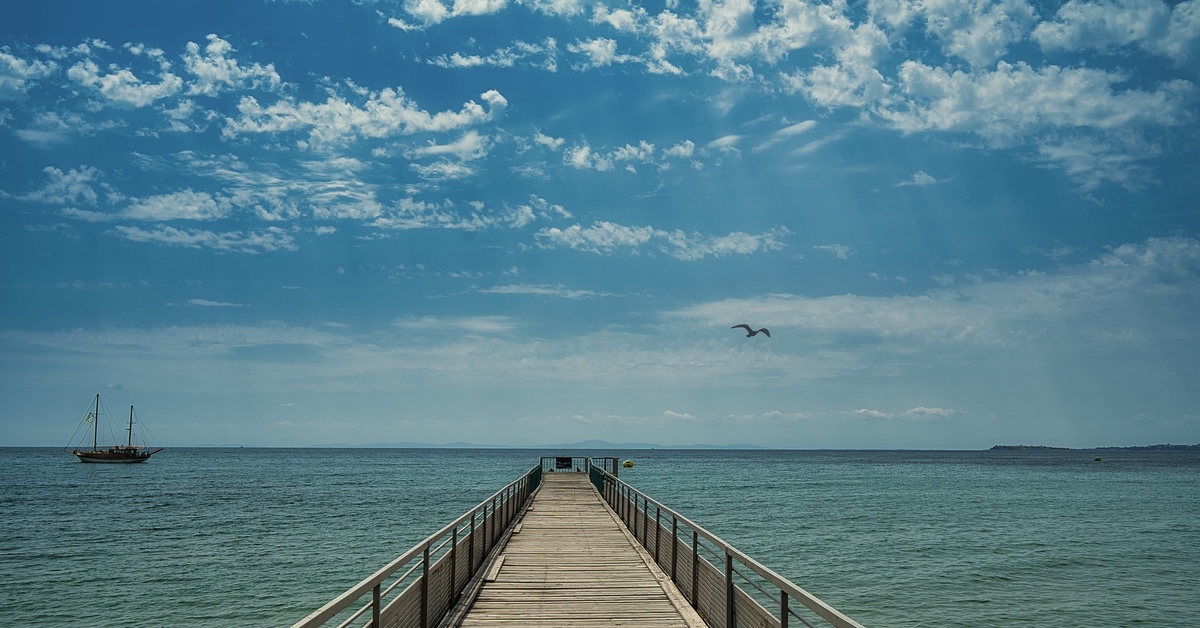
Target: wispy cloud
605,237
840,251
208,303
543,290
456,325
263,241
382,114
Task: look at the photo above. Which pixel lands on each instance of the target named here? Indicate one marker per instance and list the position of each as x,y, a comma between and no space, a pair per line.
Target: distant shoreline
643,447
1162,447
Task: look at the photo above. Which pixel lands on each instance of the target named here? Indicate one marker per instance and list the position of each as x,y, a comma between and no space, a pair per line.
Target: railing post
635,515
375,606
645,522
695,566
425,588
674,546
471,547
729,618
783,609
657,525
454,565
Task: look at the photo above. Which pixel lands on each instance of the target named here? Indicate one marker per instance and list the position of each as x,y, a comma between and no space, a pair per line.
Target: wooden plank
575,564
495,570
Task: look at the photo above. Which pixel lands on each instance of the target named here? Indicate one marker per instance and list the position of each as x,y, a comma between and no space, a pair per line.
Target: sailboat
112,453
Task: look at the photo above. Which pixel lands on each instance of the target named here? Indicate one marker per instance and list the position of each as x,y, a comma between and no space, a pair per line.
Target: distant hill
584,444
1163,447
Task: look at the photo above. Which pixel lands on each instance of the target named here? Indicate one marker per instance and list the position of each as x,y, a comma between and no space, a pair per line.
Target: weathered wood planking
573,564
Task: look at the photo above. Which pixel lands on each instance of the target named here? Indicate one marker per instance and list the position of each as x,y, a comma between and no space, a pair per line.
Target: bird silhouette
752,332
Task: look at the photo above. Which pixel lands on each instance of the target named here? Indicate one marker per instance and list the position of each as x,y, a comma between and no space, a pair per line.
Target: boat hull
118,455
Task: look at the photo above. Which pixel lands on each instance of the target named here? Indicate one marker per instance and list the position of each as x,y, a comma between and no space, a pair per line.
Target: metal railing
579,464
421,586
726,587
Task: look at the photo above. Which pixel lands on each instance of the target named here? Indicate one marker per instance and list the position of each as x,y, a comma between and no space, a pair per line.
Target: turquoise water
239,537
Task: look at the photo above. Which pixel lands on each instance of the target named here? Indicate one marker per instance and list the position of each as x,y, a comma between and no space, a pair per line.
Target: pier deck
572,562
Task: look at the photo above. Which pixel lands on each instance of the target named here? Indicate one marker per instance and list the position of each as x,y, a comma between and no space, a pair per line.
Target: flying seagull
752,332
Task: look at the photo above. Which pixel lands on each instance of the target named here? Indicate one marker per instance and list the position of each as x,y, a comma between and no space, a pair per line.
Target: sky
529,222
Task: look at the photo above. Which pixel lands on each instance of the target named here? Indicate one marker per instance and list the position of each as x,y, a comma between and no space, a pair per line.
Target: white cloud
17,75
682,150
840,251
604,237
266,241
1016,100
919,178
556,8
1090,163
726,144
470,146
542,290
553,143
411,214
185,205
122,86
601,237
1152,25
73,186
1159,275
478,7
787,132
385,113
538,56
643,152
923,413
432,12
87,215
443,170
582,157
214,71
207,303
455,325
622,20
979,31
672,415
600,52
536,209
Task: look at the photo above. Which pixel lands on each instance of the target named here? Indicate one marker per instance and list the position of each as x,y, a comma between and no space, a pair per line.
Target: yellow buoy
627,464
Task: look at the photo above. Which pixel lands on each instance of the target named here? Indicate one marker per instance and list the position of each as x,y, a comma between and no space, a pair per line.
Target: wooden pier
569,544
570,561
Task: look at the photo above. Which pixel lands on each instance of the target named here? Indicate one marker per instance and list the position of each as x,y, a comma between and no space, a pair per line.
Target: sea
262,537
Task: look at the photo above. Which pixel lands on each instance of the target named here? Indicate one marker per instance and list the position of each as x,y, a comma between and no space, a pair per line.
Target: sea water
241,537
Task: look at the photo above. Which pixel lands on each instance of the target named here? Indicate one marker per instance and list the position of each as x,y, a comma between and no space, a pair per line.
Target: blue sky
528,222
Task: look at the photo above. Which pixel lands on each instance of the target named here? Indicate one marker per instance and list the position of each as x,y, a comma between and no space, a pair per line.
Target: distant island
586,444
1162,447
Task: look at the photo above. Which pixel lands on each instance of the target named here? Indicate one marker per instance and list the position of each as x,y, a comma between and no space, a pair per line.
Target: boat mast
96,422
129,441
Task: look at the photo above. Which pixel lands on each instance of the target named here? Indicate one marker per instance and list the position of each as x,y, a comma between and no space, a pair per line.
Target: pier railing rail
726,587
417,589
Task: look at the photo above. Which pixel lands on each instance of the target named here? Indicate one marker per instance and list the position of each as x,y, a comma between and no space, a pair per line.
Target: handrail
625,501
502,503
